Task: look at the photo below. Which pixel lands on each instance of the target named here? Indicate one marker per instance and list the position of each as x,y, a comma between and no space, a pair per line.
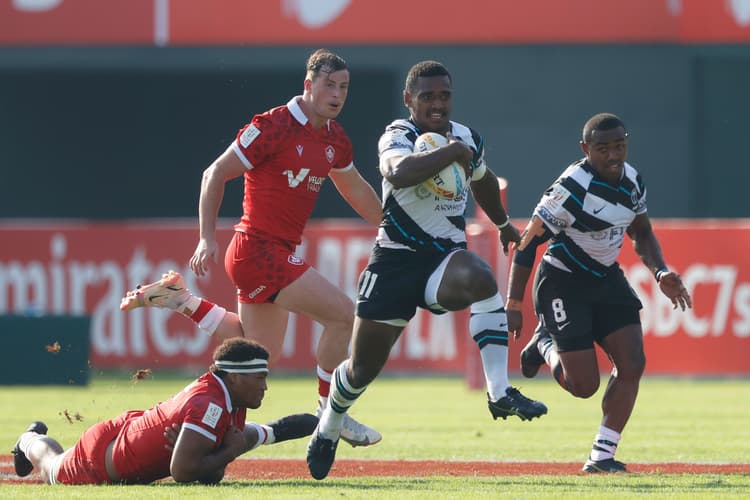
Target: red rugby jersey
203,406
287,161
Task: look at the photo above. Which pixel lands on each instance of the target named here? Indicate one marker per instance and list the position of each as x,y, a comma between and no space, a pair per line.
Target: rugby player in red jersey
285,155
135,448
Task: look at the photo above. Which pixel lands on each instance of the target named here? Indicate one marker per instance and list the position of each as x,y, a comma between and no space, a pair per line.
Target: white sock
265,434
28,439
545,348
488,327
212,319
341,398
605,444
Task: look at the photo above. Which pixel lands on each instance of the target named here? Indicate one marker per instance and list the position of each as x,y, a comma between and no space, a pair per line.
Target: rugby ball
450,182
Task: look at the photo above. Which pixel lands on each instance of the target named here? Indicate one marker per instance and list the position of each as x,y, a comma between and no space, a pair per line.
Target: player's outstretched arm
648,249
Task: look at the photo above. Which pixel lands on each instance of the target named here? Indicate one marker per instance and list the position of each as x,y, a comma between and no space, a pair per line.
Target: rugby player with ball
420,258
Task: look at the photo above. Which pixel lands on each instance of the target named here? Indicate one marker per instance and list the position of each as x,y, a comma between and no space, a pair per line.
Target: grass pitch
675,420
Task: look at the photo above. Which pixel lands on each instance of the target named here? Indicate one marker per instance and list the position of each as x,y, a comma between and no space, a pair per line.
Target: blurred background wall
112,109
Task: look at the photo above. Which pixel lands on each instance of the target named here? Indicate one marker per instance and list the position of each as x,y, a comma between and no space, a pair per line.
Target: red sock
324,382
201,310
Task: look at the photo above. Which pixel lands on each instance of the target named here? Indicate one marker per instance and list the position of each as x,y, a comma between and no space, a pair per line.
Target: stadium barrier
80,268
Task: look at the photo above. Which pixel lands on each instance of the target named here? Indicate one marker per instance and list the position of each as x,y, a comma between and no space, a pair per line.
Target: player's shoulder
279,114
631,172
204,390
577,170
402,125
337,130
399,136
207,383
464,131
575,178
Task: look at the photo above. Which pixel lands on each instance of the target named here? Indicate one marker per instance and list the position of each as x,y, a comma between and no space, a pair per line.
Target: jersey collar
296,110
226,392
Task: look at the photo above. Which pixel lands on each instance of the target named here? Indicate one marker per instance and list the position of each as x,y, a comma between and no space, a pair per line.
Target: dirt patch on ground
297,469
284,469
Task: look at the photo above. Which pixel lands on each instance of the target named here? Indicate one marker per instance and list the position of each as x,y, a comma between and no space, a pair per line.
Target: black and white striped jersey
414,218
588,217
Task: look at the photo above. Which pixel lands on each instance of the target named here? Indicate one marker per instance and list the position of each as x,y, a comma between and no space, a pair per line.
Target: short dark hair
600,122
237,349
324,61
425,68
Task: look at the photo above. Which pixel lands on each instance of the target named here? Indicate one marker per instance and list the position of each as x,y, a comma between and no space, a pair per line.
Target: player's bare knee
633,369
339,328
583,389
466,287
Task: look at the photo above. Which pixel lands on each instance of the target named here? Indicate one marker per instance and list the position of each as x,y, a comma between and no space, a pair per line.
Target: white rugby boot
355,433
169,292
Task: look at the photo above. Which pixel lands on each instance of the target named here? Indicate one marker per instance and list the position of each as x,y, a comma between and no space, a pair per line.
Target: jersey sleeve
395,142
551,210
256,141
640,203
479,166
346,159
207,417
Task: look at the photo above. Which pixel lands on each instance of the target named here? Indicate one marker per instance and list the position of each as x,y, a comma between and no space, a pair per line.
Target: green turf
675,420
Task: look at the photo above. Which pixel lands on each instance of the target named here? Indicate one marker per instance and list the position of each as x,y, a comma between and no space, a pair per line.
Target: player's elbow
183,474
212,478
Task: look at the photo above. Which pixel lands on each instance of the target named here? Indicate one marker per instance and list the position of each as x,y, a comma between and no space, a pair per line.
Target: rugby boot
321,453
355,433
22,464
515,403
608,465
293,426
169,292
531,359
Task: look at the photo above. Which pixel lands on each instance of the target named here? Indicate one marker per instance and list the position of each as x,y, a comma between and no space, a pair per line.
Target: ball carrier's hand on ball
466,156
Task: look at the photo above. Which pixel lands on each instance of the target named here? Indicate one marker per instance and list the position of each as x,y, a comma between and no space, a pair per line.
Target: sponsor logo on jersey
399,142
314,183
545,214
299,149
330,153
556,197
294,260
212,415
249,135
294,180
612,233
422,192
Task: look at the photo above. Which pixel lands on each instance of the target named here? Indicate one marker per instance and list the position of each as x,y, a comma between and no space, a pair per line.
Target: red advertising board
434,21
84,268
76,22
715,21
714,336
322,22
